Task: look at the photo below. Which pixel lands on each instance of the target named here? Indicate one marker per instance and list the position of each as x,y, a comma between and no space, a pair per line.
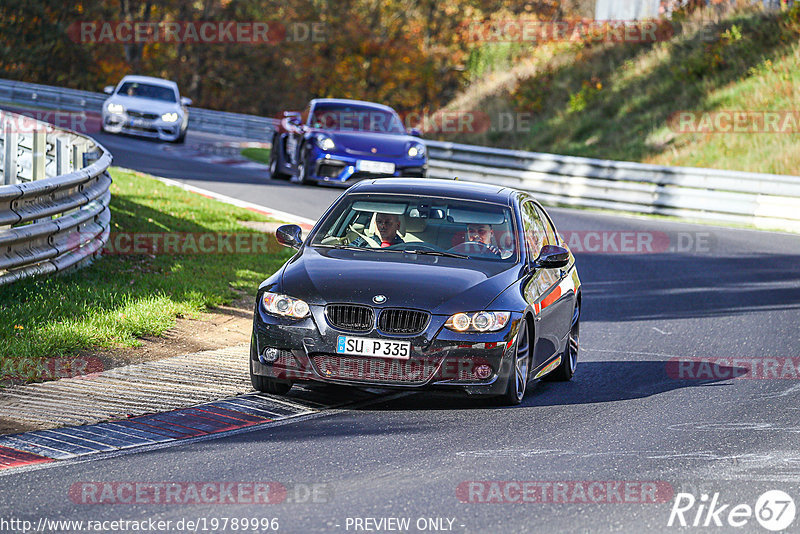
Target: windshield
346,117
144,90
423,225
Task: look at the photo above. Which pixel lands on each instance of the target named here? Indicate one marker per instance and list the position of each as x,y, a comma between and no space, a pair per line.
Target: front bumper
341,169
440,359
152,129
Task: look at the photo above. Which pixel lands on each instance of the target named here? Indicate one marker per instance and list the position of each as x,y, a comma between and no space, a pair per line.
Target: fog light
270,355
482,372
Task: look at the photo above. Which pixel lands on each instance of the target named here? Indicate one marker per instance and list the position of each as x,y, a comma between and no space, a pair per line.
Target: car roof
436,187
149,79
352,102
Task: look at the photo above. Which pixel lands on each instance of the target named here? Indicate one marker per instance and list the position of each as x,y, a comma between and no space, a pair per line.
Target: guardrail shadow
680,286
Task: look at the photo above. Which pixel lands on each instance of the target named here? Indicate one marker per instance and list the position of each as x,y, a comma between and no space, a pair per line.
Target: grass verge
619,101
123,296
259,155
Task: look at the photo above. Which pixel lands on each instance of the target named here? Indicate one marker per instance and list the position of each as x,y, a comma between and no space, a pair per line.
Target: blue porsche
343,141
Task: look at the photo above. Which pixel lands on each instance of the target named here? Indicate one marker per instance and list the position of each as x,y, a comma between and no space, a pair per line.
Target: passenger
388,225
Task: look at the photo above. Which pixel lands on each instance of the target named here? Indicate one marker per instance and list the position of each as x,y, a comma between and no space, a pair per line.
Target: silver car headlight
169,117
285,306
478,322
115,108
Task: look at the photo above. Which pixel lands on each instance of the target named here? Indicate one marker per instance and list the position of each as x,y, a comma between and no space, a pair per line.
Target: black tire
265,384
569,358
520,369
274,169
181,138
302,167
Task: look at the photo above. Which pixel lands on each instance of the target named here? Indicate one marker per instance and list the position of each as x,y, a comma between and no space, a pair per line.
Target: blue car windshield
144,90
347,117
426,225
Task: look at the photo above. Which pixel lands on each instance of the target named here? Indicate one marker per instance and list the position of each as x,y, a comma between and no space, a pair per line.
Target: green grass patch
618,101
260,155
122,297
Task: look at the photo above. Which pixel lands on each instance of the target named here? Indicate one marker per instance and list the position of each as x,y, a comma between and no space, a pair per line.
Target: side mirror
289,235
109,89
415,132
293,117
552,257
185,101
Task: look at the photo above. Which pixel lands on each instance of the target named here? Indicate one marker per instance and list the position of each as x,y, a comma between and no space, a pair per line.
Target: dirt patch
220,327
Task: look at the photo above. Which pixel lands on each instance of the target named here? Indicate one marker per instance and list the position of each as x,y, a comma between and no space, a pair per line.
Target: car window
145,90
467,229
549,229
348,117
535,234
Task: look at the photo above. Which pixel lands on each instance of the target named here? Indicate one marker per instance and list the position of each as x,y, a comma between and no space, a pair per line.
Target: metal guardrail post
10,147
77,155
38,154
63,161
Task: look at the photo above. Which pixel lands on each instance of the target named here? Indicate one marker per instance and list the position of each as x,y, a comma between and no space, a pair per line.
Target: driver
388,225
483,233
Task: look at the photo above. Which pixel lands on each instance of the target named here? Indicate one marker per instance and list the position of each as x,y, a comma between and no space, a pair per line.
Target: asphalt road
627,417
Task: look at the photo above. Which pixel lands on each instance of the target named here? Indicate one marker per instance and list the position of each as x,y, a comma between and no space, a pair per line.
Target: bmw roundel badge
379,299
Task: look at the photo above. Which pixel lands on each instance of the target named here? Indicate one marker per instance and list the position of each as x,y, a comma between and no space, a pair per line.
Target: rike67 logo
774,510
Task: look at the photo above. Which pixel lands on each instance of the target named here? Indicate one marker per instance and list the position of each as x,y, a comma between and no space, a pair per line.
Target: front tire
569,359
303,166
518,381
274,161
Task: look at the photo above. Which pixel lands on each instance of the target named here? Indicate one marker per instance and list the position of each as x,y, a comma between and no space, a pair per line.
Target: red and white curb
304,223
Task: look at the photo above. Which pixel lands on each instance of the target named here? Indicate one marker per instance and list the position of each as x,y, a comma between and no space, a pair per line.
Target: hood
362,143
442,286
145,104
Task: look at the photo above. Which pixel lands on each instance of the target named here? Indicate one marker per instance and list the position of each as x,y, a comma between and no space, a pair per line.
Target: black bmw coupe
411,283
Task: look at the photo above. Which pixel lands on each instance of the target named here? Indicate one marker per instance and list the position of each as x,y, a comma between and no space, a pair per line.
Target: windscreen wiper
436,253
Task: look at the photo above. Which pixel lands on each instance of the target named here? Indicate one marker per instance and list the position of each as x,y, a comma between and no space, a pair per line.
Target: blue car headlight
416,151
325,142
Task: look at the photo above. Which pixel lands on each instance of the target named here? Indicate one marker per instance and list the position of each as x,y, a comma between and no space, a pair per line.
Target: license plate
381,348
375,167
140,123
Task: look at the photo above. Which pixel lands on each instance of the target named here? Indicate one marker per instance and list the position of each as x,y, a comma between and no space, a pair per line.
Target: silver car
145,106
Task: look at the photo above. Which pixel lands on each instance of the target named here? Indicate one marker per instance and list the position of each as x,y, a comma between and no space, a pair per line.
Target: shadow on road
679,286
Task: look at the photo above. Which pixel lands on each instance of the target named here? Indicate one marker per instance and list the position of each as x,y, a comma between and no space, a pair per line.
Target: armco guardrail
204,120
762,200
54,199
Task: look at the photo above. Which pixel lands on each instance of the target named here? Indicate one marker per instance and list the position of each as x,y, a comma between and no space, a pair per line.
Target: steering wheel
469,247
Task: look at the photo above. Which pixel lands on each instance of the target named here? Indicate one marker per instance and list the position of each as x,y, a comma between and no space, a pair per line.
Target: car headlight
478,322
284,306
115,108
416,150
325,142
169,117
